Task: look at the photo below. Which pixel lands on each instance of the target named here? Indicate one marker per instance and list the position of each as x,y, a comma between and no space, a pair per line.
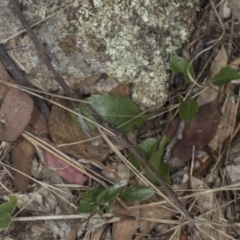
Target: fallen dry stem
31,90
21,79
57,76
39,143
43,54
45,185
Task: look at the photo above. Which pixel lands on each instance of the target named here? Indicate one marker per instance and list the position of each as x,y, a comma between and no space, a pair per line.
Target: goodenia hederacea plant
137,193
146,148
182,65
157,162
6,210
119,111
100,199
188,109
225,76
155,157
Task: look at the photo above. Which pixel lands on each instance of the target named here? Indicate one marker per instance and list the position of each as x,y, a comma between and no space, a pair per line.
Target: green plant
124,114
188,108
100,199
155,157
119,111
6,210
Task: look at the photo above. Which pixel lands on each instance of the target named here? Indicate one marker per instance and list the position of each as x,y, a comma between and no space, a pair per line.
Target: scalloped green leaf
137,193
109,194
146,148
157,161
119,111
225,76
88,202
182,65
188,109
6,210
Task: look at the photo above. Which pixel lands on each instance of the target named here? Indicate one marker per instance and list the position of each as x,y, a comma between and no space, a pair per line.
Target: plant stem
43,54
57,76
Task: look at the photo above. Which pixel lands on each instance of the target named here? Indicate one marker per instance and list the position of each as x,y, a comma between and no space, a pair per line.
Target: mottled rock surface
130,40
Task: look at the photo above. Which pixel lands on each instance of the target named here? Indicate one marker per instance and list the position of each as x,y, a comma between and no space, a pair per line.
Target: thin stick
21,79
57,76
122,138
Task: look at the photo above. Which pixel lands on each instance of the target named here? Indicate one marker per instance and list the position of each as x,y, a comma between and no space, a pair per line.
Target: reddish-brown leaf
122,90
15,114
61,168
22,156
197,132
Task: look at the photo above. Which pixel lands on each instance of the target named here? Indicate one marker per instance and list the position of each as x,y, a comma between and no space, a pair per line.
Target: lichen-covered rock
130,40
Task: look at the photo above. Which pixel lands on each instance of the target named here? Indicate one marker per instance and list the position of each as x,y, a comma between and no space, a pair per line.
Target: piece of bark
22,156
15,114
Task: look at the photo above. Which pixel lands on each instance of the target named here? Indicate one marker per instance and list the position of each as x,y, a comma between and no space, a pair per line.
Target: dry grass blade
37,142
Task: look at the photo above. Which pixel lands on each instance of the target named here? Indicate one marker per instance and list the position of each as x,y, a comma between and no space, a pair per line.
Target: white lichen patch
130,40
134,40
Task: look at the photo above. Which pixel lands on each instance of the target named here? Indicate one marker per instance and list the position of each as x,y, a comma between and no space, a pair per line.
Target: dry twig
121,137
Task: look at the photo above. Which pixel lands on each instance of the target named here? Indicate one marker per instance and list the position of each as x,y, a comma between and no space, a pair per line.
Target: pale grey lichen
134,40
130,40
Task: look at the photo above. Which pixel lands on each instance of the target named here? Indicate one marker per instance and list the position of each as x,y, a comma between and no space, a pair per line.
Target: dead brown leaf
98,234
229,111
22,156
211,92
37,123
4,76
235,7
183,236
122,90
219,61
125,229
42,172
209,202
162,213
197,132
15,114
96,84
64,130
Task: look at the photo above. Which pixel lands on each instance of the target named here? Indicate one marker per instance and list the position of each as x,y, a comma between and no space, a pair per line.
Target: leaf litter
213,124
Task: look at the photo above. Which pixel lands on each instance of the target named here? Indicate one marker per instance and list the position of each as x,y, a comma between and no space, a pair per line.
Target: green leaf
110,193
107,196
91,194
88,202
109,208
181,65
146,148
6,210
137,193
87,207
100,212
188,109
157,161
225,76
86,114
118,110
99,199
